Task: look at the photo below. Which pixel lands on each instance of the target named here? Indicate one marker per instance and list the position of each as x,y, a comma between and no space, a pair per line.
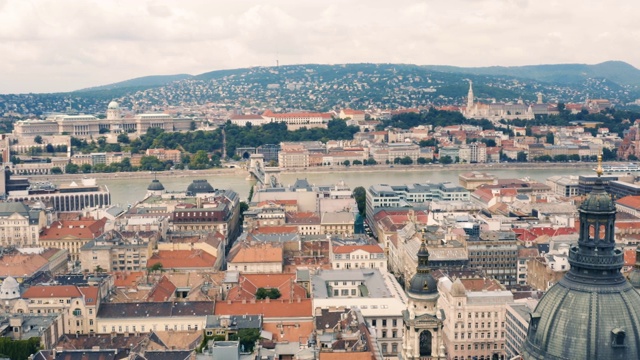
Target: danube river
130,190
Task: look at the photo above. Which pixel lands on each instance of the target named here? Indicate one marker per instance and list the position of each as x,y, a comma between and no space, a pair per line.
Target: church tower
593,312
423,321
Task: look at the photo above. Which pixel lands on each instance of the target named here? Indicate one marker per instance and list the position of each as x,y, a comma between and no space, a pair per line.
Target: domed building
423,337
593,312
113,111
155,188
10,289
200,187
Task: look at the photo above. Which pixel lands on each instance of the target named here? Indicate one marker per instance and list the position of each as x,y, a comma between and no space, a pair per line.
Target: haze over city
52,46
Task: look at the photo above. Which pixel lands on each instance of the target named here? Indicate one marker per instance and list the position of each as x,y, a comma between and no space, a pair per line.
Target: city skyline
70,45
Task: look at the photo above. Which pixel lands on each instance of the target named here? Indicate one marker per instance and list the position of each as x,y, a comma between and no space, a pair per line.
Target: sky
65,45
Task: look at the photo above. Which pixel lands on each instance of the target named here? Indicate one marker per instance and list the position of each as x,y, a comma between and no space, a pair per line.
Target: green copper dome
423,283
593,312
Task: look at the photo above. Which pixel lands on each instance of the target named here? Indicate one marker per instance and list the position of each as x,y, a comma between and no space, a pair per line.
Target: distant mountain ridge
320,87
140,82
617,71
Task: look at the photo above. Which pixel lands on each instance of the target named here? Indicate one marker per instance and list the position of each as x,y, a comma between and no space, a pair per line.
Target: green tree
446,160
37,139
550,138
346,163
357,162
360,195
56,170
271,293
521,156
248,338
124,139
422,160
406,161
200,160
85,168
71,168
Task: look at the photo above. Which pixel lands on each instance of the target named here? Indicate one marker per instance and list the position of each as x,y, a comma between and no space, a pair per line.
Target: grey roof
372,280
155,309
167,355
200,187
10,208
83,354
301,184
234,321
155,185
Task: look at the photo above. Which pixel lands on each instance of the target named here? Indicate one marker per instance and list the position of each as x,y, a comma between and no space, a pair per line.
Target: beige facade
336,223
293,158
474,327
19,226
78,305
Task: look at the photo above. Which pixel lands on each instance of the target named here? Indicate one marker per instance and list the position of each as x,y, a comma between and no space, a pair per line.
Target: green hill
616,71
141,82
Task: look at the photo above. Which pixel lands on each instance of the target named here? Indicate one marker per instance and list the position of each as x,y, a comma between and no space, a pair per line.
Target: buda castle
85,126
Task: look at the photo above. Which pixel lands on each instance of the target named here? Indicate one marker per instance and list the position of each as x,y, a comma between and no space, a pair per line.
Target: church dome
593,312
423,283
200,187
155,185
113,106
10,289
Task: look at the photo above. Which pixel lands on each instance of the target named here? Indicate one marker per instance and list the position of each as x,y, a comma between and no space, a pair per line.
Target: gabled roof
632,202
182,259
90,294
248,284
162,291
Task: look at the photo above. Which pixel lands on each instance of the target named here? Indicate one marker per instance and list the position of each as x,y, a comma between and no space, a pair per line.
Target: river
130,190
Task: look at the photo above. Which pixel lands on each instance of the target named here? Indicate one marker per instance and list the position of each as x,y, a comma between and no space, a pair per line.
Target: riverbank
484,167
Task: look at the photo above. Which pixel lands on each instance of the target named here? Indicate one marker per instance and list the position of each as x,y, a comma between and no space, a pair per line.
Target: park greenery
271,293
18,349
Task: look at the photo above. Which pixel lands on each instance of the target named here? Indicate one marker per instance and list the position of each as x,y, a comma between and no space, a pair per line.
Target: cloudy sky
63,45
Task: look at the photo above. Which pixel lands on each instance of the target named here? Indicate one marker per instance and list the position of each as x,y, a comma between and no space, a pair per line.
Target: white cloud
61,45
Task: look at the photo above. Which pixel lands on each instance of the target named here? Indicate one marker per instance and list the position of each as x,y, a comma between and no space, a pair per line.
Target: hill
617,71
318,87
141,82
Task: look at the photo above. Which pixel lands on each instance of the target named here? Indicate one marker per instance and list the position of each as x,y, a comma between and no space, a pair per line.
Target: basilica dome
593,312
200,187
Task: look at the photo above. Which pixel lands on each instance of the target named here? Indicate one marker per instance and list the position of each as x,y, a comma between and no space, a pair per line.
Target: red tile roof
182,259
265,253
250,283
162,291
632,202
52,291
347,249
90,293
276,230
82,229
269,309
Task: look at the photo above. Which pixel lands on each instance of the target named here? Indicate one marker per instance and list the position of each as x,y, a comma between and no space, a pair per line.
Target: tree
56,170
550,138
360,195
37,139
71,168
124,139
271,293
157,267
446,160
357,162
406,161
248,338
346,163
200,160
50,148
85,168
521,156
609,155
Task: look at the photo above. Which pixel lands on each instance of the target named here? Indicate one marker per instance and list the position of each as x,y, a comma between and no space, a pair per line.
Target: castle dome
593,312
113,105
